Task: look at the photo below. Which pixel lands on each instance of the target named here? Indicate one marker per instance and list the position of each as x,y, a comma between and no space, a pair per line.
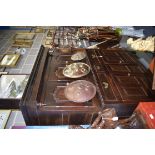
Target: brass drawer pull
105,84
56,73
98,67
41,104
93,56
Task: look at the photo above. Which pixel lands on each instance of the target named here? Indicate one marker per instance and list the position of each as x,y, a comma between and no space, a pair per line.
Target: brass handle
93,56
56,73
66,63
40,104
98,67
105,84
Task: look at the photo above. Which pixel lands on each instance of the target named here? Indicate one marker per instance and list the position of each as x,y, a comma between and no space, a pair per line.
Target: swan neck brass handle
105,84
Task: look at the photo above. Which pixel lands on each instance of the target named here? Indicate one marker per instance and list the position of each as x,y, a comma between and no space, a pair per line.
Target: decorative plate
78,56
80,91
76,70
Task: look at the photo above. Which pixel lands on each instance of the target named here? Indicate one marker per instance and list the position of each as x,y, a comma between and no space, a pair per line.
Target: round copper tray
78,56
80,91
76,70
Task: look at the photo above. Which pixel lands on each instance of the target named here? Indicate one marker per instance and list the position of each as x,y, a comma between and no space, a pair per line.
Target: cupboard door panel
115,57
108,89
131,88
125,69
111,57
136,69
55,97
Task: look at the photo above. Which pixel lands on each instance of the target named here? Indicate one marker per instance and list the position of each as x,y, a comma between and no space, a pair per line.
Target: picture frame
24,36
4,116
13,86
22,43
9,60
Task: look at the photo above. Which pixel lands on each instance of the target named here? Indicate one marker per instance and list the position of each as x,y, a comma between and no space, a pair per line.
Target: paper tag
115,118
151,116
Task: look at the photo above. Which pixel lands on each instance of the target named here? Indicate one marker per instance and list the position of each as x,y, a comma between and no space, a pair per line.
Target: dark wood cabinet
121,82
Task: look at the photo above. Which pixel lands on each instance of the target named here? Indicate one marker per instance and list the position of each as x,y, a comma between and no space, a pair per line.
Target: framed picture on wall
13,86
9,60
24,36
22,43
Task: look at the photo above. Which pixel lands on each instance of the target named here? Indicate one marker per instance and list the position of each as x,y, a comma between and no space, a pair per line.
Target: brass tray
76,70
22,43
80,91
9,60
78,56
24,36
